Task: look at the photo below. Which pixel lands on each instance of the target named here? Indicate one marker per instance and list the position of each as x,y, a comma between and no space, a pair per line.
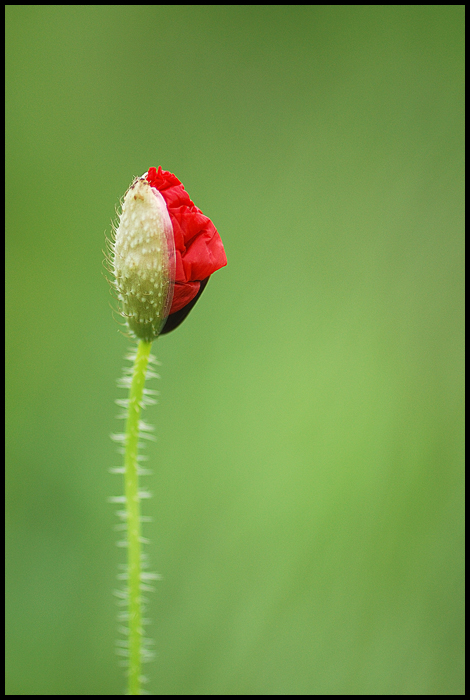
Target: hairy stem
133,516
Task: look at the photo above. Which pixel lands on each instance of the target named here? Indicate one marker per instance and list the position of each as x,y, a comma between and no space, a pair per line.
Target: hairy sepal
144,260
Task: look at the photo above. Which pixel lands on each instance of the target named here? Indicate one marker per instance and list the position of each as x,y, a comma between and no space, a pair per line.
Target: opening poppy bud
164,251
144,260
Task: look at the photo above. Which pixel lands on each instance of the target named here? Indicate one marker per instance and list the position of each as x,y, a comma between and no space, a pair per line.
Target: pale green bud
144,260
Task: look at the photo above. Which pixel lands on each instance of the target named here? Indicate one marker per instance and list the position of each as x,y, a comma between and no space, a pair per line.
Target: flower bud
144,260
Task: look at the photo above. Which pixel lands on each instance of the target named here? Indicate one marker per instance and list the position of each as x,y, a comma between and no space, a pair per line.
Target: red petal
182,295
199,249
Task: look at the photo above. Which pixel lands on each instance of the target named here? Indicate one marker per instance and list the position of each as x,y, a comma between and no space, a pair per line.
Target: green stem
133,515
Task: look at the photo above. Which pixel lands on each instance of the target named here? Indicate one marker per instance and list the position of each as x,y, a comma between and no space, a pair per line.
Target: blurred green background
308,478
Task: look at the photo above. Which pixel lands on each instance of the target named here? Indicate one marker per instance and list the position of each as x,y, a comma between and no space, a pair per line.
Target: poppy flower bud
144,260
164,252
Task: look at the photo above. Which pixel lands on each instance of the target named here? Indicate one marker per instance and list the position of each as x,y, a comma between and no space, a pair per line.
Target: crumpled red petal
199,249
